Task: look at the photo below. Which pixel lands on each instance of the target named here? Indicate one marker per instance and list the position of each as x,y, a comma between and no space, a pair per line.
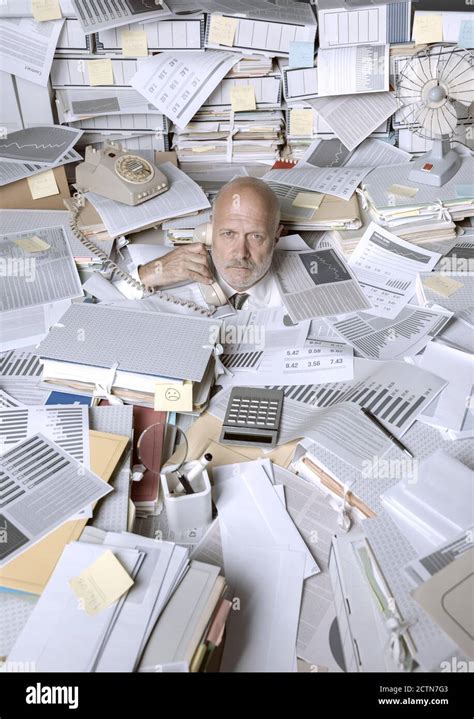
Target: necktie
238,300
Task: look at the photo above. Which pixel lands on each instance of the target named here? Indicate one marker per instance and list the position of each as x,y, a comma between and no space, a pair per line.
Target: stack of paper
264,557
102,362
192,624
393,199
30,571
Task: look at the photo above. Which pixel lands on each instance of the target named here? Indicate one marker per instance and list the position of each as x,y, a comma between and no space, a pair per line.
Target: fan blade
458,77
408,113
410,81
445,119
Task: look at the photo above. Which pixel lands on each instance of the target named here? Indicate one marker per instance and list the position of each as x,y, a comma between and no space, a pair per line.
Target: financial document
379,338
183,197
178,84
75,103
352,70
13,171
27,47
317,284
387,268
41,145
67,425
338,181
370,153
353,118
41,487
39,280
34,274
95,16
317,362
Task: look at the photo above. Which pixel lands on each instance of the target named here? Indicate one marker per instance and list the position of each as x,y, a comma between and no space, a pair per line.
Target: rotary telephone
120,175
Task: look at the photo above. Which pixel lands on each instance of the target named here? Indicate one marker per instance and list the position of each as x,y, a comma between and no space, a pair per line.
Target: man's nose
241,248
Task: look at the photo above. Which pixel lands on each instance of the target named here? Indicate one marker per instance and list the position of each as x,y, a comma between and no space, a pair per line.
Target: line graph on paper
41,145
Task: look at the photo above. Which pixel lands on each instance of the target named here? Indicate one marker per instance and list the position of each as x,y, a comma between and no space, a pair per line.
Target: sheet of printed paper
316,362
94,16
40,145
387,267
68,426
27,48
179,84
76,103
383,339
366,112
352,70
317,283
338,181
13,171
40,472
370,153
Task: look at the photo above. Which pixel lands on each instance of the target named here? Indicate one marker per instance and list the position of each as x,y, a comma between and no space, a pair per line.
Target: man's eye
226,233
256,237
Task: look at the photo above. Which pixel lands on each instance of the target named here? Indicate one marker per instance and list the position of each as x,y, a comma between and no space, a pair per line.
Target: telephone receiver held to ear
212,294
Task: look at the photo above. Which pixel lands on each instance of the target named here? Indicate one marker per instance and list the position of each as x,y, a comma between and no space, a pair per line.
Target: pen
386,431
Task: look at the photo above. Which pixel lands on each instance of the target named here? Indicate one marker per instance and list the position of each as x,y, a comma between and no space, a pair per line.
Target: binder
176,34
268,37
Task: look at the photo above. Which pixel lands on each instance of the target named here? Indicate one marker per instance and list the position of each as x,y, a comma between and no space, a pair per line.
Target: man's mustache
240,264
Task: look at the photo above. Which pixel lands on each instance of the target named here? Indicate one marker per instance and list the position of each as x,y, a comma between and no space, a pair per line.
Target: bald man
245,230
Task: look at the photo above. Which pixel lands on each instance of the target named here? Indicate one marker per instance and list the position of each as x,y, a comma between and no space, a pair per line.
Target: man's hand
186,263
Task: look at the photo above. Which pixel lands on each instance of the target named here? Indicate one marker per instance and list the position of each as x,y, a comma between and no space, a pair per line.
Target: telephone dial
213,294
120,175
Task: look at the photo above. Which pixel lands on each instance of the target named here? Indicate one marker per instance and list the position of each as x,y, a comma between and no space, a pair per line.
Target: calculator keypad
253,411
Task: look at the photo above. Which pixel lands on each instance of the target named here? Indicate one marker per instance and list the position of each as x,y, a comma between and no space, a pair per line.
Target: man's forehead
240,205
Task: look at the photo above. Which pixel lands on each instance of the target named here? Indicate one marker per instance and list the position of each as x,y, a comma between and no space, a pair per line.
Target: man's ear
278,233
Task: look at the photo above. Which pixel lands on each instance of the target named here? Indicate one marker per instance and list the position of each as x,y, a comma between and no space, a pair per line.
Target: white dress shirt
263,293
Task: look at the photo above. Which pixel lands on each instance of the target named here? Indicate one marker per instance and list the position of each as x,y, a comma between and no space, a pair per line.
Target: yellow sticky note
174,396
43,185
32,244
443,285
311,200
427,28
46,10
402,190
101,584
204,148
134,43
100,72
242,98
222,30
301,122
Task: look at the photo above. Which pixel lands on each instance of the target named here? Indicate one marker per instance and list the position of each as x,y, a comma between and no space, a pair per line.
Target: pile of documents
345,546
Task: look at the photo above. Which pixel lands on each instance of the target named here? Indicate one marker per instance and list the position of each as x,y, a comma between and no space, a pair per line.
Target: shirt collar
259,292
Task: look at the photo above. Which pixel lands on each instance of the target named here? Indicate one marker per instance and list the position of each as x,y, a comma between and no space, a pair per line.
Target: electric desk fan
428,86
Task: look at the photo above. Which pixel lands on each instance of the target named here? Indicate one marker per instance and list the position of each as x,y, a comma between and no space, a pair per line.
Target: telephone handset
120,175
212,294
75,207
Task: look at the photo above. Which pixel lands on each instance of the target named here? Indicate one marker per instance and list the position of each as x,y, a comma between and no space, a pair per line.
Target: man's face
243,238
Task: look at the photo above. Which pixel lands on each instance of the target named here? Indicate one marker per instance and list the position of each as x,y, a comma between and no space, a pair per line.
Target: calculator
252,417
